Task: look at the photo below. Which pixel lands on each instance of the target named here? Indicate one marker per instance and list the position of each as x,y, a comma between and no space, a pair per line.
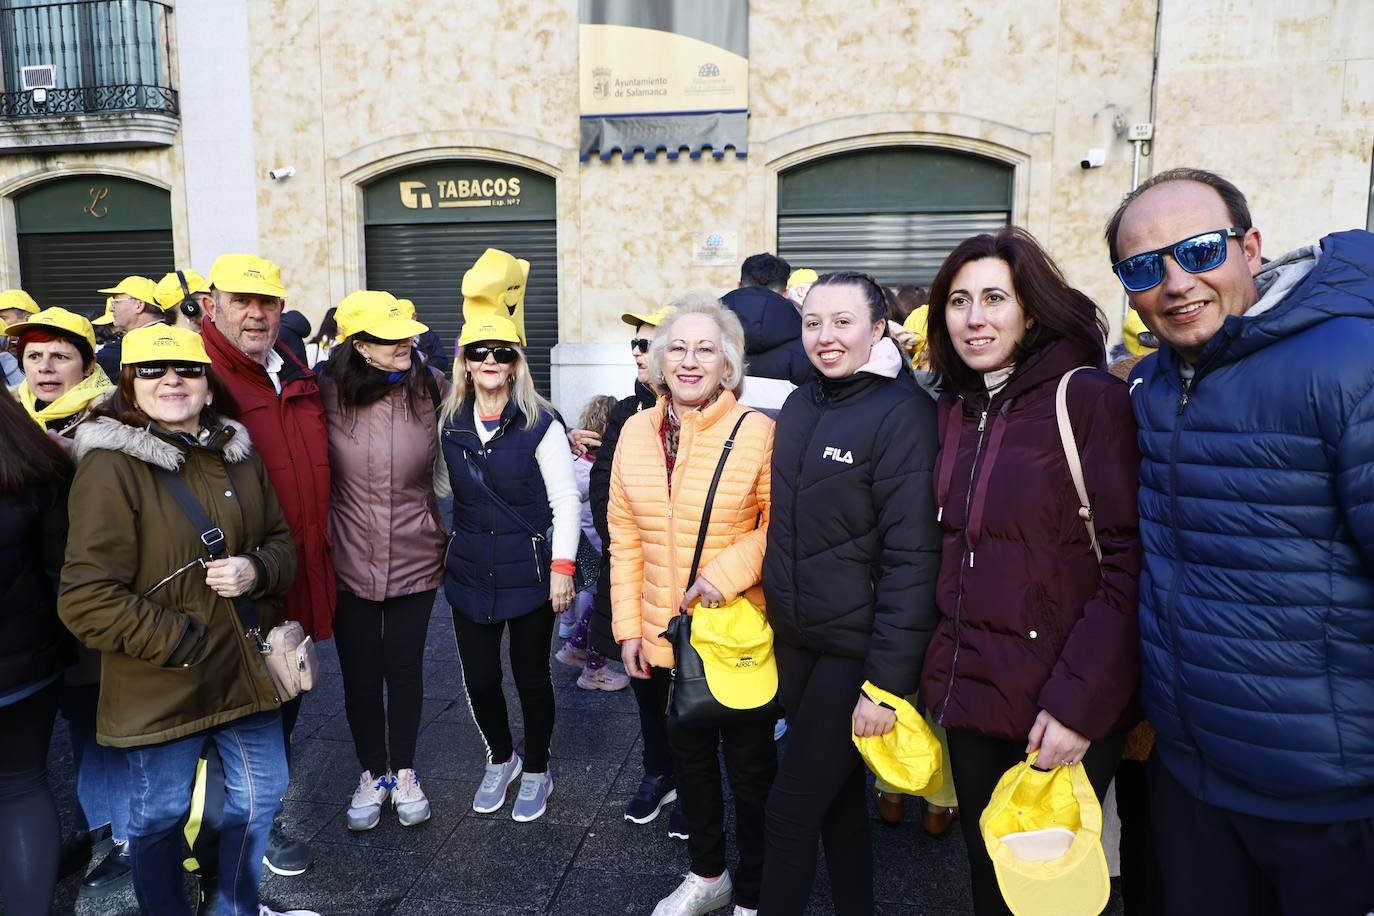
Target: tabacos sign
460,193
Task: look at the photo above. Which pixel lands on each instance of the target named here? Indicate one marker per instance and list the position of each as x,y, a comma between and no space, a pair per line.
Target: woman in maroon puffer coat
1037,644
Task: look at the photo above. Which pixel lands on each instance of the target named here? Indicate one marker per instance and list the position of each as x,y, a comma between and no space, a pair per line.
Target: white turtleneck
997,379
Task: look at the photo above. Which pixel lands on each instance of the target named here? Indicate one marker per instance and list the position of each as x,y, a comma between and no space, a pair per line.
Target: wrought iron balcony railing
85,57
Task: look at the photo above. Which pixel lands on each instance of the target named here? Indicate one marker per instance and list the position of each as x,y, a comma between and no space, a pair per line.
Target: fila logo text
834,454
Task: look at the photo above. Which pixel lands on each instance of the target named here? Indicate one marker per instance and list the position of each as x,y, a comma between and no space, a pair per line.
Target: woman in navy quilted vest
506,456
1037,646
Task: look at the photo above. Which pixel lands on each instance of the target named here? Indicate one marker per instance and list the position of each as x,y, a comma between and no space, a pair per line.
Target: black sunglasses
478,353
158,370
640,344
1197,254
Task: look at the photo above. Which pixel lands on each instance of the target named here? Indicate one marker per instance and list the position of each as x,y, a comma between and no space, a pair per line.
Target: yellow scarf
76,399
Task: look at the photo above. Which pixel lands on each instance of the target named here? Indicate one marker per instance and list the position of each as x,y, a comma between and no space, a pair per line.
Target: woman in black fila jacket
849,575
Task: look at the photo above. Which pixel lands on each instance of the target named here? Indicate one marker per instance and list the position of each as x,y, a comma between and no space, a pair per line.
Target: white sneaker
606,678
365,809
491,794
743,911
696,896
412,807
265,910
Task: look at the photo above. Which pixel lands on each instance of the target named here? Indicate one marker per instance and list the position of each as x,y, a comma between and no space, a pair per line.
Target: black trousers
979,762
479,649
819,793
751,761
1142,881
382,644
653,728
1219,861
28,816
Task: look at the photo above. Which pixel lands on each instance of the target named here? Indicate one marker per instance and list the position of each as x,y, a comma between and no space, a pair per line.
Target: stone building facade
379,106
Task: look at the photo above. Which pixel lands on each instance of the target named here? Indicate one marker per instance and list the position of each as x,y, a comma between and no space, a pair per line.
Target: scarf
76,399
671,432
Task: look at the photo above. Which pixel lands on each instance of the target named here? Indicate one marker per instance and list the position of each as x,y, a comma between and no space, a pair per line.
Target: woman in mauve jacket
380,400
1037,648
853,555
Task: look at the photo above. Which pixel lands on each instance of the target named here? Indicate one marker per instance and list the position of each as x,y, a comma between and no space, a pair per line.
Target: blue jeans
102,780
161,778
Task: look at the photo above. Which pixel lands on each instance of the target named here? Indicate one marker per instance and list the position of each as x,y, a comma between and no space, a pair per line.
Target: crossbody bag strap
711,497
479,477
211,538
1061,413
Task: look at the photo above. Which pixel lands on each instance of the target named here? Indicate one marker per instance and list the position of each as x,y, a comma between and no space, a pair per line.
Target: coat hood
107,433
1298,291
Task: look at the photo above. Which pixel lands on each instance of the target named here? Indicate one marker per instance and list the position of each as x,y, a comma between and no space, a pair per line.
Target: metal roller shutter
66,268
895,248
424,262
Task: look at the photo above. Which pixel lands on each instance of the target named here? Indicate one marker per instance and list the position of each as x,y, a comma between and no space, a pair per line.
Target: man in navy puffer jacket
1256,424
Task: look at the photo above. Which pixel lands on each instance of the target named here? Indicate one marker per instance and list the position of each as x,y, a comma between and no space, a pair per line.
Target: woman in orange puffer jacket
664,464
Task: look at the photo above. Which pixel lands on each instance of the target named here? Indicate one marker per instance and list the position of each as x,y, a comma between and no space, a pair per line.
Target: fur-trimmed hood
230,439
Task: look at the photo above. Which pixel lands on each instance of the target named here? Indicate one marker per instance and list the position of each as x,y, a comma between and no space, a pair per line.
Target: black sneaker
284,855
677,823
654,792
207,895
111,876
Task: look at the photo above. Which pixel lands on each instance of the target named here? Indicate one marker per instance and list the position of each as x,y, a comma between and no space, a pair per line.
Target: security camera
1096,158
287,171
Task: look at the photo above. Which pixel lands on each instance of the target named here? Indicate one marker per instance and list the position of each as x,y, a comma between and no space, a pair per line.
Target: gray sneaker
535,789
365,808
491,794
412,807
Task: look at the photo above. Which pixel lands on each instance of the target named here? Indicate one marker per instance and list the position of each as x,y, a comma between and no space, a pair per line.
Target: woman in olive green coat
178,666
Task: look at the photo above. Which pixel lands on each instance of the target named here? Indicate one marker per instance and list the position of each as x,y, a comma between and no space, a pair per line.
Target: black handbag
690,701
588,558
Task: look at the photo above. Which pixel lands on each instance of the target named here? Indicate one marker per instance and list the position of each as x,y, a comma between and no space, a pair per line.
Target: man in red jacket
279,403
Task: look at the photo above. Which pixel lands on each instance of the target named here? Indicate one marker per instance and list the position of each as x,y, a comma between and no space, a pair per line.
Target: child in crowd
575,622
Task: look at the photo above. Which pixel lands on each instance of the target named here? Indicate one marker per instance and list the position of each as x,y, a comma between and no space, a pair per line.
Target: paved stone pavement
581,858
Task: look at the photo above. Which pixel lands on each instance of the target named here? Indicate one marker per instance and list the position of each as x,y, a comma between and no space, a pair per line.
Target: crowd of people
1160,575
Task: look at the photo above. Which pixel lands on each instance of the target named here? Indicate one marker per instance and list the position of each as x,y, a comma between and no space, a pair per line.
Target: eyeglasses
158,370
705,353
479,353
640,345
1198,254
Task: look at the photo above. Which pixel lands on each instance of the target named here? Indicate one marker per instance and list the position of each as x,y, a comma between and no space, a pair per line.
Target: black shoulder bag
690,701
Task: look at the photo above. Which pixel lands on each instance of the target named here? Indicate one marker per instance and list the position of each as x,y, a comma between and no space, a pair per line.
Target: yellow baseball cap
736,648
909,756
918,321
654,318
170,293
106,317
140,288
1043,831
1138,339
58,319
407,307
377,313
162,343
489,326
803,276
495,284
247,273
18,299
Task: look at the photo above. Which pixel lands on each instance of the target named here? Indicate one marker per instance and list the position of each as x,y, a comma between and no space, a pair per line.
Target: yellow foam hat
170,293
140,288
653,319
107,316
908,757
803,276
490,326
162,343
736,648
377,313
247,273
56,319
495,284
18,299
1043,831
1131,331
